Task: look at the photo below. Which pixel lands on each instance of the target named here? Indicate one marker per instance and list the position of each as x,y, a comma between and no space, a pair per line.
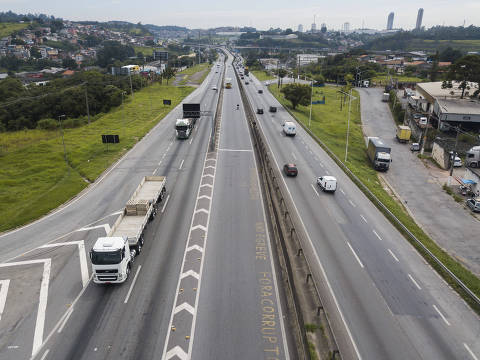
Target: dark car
259,111
290,169
260,91
273,109
246,82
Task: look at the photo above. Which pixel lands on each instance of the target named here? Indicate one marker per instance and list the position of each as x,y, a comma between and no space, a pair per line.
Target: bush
47,124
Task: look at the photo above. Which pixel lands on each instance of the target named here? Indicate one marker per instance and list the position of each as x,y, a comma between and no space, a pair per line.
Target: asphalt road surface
382,298
447,222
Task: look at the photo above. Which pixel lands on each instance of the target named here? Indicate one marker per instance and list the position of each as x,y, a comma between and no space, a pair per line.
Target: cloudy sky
261,14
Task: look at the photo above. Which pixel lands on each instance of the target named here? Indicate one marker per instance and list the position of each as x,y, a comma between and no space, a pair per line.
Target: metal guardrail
395,220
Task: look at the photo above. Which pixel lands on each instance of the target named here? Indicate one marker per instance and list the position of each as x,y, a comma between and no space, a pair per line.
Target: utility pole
123,115
454,155
131,87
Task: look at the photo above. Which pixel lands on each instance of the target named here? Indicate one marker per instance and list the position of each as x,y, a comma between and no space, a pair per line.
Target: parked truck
403,133
112,256
379,153
472,159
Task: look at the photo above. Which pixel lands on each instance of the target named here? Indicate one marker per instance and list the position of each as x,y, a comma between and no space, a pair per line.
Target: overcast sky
261,14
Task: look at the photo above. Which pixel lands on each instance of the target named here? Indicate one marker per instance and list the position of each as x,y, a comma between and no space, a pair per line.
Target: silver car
474,204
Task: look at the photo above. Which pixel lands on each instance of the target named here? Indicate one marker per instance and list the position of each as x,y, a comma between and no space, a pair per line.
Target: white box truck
112,256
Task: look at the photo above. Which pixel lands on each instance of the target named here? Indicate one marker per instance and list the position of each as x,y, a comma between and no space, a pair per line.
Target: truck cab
111,259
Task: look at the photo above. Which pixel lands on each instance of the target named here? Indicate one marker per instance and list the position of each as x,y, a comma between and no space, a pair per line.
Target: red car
290,169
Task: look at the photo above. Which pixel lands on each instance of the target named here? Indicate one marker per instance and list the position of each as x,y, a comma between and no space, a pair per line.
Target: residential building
305,59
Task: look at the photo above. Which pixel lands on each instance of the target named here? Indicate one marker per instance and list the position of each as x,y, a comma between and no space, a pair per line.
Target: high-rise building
314,27
323,28
300,28
419,19
390,21
346,27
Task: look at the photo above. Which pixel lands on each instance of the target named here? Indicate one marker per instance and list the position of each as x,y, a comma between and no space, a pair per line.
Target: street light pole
123,115
63,139
348,123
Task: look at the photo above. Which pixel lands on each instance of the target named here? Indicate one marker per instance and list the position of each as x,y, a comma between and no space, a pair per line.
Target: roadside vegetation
35,177
262,75
190,74
7,29
329,124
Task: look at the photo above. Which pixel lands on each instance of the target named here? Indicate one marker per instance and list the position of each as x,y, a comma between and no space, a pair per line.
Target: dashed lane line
133,284
474,357
3,294
165,205
355,254
378,236
343,192
413,280
181,164
393,255
441,315
45,354
69,313
352,203
313,187
363,218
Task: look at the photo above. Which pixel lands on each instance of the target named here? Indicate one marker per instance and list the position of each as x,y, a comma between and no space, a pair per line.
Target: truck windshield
106,258
181,127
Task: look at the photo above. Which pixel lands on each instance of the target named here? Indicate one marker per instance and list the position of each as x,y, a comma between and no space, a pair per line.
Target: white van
289,128
327,183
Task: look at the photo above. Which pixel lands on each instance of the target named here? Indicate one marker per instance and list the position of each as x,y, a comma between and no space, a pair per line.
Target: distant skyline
262,15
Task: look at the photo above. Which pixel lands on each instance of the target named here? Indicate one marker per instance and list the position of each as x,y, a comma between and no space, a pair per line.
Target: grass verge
8,28
329,124
262,75
383,79
35,177
191,74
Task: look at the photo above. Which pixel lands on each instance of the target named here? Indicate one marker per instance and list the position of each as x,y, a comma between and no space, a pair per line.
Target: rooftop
434,89
459,106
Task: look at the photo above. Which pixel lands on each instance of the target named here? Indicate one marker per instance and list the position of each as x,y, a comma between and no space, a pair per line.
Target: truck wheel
128,271
139,247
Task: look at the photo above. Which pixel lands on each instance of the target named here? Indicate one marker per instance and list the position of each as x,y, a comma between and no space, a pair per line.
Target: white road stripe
190,142
65,319
293,155
343,192
355,254
236,150
313,187
45,354
321,165
181,164
154,171
42,307
441,315
393,255
351,203
3,294
413,280
470,351
363,218
133,284
166,202
378,236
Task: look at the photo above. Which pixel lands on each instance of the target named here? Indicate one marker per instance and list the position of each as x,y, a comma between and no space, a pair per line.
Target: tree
319,79
464,71
35,53
281,74
450,54
113,50
168,73
288,31
69,63
149,43
297,94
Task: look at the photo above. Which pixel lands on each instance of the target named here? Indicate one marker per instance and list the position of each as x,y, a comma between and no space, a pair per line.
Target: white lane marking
69,312
81,254
181,164
413,280
294,157
355,254
313,187
378,236
154,171
470,351
209,166
206,185
343,192
178,352
205,197
327,172
3,294
45,354
321,165
393,255
322,269
363,218
190,272
184,306
105,226
236,150
441,315
166,202
208,175
190,142
351,203
205,211
133,284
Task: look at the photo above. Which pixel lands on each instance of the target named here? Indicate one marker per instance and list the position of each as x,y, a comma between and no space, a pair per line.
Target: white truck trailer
112,256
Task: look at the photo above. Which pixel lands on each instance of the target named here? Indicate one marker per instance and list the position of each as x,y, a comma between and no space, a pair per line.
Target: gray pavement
50,310
383,300
419,187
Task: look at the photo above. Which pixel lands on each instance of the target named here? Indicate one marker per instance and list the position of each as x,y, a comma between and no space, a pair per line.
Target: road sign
110,139
167,102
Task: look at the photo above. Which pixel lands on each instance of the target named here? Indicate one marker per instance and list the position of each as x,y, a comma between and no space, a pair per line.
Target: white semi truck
112,256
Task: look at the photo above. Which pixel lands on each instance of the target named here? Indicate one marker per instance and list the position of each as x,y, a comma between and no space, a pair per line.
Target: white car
214,88
327,183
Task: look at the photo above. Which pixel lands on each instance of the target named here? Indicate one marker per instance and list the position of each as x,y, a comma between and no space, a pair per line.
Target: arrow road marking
3,295
105,226
176,351
184,306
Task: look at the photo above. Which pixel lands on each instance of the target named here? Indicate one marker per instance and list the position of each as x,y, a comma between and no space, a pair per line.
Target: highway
47,304
384,301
